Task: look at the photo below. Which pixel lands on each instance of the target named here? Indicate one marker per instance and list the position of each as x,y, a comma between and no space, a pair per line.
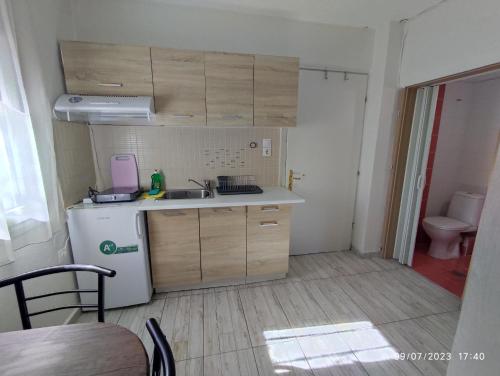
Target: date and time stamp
478,356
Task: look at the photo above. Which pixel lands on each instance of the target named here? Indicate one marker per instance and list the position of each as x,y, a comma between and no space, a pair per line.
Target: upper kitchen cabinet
106,69
229,89
179,86
275,91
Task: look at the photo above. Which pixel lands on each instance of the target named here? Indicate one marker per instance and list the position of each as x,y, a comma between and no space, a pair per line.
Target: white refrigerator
113,237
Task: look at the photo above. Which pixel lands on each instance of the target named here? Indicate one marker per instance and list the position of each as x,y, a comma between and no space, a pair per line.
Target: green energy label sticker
109,247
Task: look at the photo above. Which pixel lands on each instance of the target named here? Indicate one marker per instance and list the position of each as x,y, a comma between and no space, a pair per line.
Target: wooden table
79,349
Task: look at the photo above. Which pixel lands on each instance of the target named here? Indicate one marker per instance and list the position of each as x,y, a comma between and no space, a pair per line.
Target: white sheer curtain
24,216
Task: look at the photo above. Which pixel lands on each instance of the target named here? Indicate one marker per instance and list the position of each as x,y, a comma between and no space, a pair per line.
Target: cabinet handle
232,117
270,208
224,210
170,213
183,116
268,223
138,226
110,84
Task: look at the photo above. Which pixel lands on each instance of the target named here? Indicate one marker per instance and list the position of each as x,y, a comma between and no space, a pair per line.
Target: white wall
479,324
38,24
376,154
467,142
153,23
447,165
456,36
481,137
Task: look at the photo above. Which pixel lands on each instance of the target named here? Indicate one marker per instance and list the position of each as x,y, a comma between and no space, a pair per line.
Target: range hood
115,110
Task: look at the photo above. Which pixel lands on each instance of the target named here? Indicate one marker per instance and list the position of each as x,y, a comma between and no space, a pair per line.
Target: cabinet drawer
223,243
106,69
268,240
174,247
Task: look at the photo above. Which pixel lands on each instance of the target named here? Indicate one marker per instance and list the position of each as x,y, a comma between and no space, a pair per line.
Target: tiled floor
450,274
335,314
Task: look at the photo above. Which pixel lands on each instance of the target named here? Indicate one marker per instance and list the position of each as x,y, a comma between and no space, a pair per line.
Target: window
23,206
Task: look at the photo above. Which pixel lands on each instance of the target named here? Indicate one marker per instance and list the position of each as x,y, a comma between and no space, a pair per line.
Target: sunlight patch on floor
327,346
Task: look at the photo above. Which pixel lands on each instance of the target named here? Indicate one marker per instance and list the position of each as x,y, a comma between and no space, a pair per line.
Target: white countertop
271,195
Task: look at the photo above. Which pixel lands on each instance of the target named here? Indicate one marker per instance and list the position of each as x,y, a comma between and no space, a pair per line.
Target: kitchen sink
180,194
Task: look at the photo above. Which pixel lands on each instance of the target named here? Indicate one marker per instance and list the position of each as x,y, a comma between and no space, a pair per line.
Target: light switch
267,148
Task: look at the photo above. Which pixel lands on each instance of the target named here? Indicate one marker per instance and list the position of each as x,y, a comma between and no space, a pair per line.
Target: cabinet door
174,247
268,240
223,243
276,88
106,69
179,86
229,80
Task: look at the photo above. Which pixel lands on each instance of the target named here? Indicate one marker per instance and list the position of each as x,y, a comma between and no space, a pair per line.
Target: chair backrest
163,358
22,300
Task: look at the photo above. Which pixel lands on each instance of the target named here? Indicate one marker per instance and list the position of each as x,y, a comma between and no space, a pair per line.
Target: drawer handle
268,224
270,208
183,116
232,117
168,213
110,84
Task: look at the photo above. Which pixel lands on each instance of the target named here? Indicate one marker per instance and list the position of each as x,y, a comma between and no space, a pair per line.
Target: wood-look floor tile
307,267
376,354
340,309
264,315
330,355
441,326
235,363
110,316
189,367
282,357
153,310
300,308
408,337
442,299
182,323
224,324
371,298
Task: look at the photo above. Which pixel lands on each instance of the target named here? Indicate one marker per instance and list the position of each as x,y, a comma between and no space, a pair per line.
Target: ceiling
339,12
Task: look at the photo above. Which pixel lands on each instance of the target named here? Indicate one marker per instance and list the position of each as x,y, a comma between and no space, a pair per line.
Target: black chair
17,281
163,358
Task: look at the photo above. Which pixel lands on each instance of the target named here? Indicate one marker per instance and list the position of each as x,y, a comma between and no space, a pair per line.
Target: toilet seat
446,223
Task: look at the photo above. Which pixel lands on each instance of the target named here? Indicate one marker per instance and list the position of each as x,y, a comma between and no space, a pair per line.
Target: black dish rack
237,185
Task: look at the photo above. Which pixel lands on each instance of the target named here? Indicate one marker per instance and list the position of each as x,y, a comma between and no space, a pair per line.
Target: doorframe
400,151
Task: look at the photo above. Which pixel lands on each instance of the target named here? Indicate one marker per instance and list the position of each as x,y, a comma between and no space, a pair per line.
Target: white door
416,164
323,152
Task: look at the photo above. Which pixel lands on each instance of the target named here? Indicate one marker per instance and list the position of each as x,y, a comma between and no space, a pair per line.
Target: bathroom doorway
463,145
448,142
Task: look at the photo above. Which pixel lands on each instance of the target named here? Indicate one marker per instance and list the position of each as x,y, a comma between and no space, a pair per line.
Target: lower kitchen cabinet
268,240
223,243
174,244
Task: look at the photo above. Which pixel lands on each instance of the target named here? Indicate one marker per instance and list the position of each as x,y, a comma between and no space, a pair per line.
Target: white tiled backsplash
182,153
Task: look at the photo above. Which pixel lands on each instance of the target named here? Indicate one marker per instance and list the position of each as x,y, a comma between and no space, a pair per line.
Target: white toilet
462,216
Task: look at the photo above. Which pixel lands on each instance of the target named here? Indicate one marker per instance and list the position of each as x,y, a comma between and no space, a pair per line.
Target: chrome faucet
206,184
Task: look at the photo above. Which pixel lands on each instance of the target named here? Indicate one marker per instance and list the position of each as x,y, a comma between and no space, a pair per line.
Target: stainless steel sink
182,194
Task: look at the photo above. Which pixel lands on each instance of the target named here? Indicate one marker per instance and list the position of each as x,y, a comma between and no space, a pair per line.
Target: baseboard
73,316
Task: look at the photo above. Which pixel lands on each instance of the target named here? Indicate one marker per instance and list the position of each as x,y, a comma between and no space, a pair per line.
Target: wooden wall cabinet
179,87
276,81
229,89
174,245
268,240
223,243
106,69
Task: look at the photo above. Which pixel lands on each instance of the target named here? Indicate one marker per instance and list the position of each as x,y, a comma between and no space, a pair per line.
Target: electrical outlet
267,148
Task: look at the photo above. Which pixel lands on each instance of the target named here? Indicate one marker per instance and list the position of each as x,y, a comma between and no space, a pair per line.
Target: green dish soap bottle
156,183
